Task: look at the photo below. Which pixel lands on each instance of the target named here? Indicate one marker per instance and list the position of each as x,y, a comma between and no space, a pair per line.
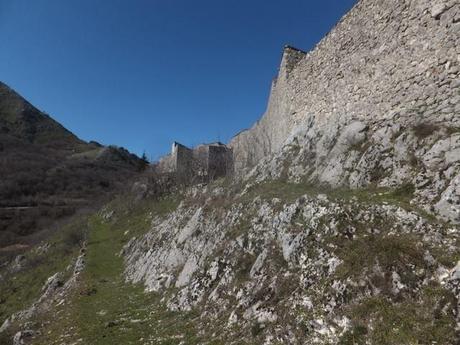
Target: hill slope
21,121
342,227
269,262
47,172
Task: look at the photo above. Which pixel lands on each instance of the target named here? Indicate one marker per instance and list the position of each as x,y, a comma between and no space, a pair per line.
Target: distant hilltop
48,174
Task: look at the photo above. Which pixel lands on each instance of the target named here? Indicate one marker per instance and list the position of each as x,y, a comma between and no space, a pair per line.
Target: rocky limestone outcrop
328,235
297,268
54,292
424,157
377,101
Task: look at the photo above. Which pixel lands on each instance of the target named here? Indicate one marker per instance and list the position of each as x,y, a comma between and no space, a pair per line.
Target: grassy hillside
48,173
103,308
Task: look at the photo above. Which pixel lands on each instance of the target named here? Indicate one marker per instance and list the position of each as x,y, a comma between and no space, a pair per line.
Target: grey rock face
375,104
438,9
449,204
390,70
52,284
54,290
422,155
255,261
18,263
21,337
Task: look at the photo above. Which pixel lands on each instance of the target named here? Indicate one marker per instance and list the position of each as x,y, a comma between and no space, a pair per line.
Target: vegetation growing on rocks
340,226
280,261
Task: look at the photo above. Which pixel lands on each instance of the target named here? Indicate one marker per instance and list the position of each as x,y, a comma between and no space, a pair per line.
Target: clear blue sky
142,73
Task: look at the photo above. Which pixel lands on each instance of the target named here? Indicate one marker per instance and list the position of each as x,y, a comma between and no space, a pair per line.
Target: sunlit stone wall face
383,60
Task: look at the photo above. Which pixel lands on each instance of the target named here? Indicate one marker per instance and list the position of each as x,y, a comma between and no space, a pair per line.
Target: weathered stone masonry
377,102
384,58
207,161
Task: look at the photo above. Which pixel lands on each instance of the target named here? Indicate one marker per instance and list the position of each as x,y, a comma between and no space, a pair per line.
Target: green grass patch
136,216
285,191
391,252
19,290
400,196
288,192
427,320
105,308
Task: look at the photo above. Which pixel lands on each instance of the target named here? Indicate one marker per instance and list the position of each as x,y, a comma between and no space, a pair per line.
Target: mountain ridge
21,119
48,173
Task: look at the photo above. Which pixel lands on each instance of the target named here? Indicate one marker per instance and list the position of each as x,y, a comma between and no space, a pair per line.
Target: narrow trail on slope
104,308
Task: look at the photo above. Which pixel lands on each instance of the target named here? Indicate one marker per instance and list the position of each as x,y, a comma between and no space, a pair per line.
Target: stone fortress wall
377,102
207,161
384,59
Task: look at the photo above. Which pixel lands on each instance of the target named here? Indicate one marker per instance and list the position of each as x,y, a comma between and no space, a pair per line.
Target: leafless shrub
75,237
424,129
